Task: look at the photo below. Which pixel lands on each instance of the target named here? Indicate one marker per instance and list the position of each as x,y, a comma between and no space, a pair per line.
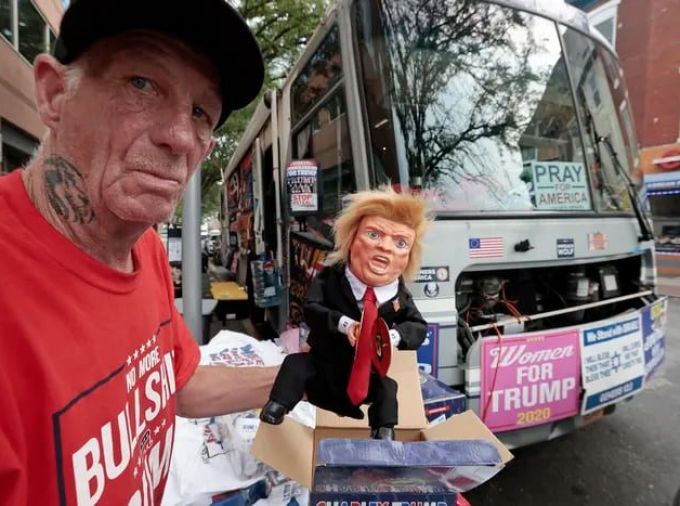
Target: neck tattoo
65,190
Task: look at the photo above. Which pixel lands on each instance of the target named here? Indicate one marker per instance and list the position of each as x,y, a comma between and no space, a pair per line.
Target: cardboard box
291,447
361,485
440,400
355,471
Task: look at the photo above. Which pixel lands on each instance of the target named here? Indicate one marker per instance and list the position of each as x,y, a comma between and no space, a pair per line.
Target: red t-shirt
90,361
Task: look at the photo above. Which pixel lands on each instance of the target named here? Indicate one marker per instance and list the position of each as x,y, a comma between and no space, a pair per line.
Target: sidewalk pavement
668,285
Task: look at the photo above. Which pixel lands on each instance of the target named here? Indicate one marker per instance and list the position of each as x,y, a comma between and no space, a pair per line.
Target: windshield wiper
646,233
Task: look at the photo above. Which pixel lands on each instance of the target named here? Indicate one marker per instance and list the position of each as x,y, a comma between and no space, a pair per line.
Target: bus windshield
472,103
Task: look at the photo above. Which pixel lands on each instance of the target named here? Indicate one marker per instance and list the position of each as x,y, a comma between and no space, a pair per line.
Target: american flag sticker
486,247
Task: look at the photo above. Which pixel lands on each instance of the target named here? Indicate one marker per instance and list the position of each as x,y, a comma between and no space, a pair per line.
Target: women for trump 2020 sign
530,379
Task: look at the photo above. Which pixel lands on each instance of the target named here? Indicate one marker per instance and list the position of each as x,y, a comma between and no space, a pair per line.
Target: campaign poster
613,361
561,186
428,353
654,334
174,249
529,379
303,186
307,259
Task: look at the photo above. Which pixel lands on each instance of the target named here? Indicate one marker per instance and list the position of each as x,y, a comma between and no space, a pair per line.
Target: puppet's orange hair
409,210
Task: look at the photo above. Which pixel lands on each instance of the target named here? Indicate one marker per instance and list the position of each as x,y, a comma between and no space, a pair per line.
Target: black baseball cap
212,27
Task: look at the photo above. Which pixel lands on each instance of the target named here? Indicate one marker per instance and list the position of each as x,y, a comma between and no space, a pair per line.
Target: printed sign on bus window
613,364
529,379
561,186
303,186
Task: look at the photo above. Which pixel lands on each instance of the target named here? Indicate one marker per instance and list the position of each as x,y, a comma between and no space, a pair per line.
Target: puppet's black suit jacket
330,297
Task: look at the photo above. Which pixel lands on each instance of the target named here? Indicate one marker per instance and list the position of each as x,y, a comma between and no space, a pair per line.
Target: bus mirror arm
523,246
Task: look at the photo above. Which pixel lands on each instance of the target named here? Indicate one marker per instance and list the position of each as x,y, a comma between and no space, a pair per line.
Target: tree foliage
282,27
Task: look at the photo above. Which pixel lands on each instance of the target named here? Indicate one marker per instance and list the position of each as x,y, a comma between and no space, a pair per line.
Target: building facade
27,28
646,37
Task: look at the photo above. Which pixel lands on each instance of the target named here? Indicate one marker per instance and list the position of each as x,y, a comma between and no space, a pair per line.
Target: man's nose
175,131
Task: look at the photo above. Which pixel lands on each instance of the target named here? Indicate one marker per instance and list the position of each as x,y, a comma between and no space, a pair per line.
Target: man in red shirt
94,359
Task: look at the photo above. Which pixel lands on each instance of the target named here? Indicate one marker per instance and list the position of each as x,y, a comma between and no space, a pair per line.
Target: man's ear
50,89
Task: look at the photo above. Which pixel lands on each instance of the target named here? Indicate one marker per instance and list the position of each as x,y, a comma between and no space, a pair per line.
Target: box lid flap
288,448
404,370
463,426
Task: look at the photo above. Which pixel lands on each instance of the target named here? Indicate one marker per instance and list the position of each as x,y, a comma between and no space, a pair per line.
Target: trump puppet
357,309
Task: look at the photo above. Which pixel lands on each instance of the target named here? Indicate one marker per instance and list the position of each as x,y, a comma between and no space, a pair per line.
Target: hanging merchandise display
267,283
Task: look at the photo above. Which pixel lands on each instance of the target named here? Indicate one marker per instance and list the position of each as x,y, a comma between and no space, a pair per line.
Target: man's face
138,127
380,250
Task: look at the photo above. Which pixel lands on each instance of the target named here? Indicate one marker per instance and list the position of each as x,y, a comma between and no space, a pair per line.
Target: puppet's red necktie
357,388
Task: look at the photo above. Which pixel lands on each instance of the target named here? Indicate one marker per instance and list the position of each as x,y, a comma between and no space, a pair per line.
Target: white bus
512,118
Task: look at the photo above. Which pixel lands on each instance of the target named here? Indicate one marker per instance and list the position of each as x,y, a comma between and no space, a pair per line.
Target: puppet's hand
395,338
353,334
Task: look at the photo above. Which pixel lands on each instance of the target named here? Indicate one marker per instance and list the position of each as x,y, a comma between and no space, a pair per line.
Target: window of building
6,19
16,147
604,18
31,31
12,159
606,28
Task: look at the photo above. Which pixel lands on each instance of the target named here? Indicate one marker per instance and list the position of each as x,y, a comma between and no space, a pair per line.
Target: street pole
191,257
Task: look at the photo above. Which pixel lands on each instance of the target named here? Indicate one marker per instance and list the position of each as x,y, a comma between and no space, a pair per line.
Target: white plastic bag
212,456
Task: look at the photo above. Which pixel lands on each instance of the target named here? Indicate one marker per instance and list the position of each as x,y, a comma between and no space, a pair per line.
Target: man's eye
373,235
402,244
199,113
141,83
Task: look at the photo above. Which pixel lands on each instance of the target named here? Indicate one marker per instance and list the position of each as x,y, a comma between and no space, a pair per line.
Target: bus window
325,138
323,70
471,103
603,108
